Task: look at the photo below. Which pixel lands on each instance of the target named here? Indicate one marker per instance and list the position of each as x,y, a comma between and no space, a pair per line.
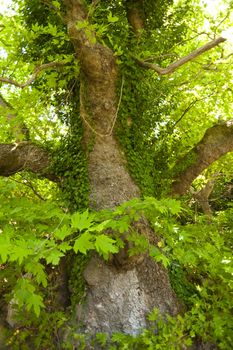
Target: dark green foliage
183,288
37,233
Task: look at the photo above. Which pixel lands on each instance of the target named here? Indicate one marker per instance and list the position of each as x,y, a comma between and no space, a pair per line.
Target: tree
89,69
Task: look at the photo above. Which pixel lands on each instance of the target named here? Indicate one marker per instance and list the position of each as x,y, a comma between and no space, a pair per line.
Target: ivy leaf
82,221
105,245
112,19
84,243
56,4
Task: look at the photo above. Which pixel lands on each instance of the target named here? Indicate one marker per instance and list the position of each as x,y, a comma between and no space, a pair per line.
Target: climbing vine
158,120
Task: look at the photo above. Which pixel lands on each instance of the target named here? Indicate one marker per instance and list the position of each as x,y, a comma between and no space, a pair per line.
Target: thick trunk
119,297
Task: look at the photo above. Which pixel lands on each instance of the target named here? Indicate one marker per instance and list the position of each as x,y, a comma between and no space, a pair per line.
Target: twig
189,107
34,74
29,184
177,64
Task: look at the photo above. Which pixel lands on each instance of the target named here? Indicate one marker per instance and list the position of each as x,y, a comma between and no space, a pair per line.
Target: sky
4,5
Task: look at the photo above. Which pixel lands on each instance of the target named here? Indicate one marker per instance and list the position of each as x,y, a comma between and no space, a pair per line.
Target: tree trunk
119,297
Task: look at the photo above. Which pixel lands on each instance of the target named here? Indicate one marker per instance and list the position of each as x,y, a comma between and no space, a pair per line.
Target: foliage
201,252
160,119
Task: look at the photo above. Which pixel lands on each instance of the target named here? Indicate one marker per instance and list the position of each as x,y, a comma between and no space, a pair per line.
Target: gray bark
118,298
24,156
216,142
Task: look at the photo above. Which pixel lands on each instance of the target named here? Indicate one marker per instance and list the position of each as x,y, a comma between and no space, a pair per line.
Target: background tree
119,102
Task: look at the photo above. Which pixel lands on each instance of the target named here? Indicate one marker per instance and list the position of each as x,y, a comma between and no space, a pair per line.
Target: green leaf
35,302
102,338
82,221
105,245
64,247
82,24
37,270
84,243
100,227
112,19
63,232
56,4
5,247
24,294
158,256
54,257
20,252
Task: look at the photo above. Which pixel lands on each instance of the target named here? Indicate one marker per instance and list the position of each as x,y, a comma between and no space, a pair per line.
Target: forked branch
177,64
36,72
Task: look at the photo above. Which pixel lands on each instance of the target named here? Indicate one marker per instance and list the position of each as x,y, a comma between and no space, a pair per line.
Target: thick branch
135,15
37,71
216,142
24,156
177,64
76,12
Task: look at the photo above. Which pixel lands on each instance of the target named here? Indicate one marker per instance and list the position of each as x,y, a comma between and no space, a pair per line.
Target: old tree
123,107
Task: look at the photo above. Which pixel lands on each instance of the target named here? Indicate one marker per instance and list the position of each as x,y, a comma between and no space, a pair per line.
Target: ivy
159,121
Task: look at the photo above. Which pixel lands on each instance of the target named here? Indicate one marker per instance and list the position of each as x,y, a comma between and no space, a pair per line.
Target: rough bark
118,298
135,15
216,142
24,156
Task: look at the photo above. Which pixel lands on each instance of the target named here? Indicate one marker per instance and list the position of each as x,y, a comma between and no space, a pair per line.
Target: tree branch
216,142
202,197
24,156
177,64
29,185
34,74
189,107
135,15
